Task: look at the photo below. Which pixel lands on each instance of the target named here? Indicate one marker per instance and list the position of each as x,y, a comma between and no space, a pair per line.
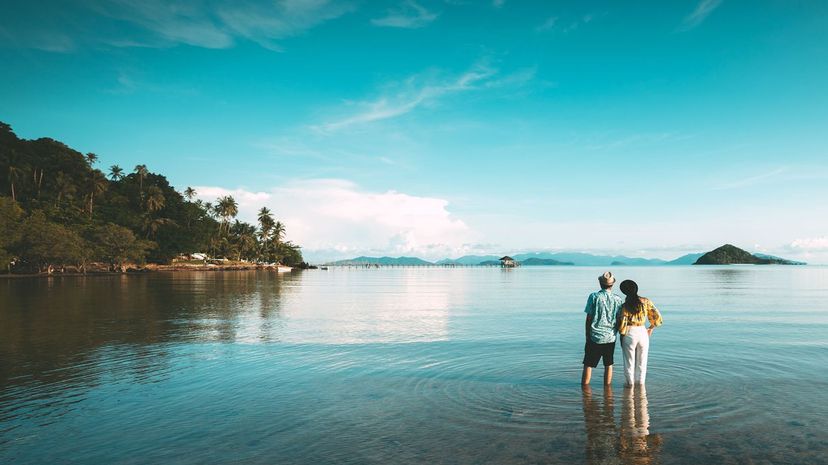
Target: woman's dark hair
633,302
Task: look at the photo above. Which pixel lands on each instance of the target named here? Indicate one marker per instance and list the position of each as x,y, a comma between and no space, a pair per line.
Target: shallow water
408,366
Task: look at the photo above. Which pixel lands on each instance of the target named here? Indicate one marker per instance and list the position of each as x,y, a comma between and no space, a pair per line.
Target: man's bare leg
607,375
586,375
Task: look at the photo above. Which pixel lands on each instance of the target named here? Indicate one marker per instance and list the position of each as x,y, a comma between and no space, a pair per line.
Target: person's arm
621,322
587,326
589,310
654,316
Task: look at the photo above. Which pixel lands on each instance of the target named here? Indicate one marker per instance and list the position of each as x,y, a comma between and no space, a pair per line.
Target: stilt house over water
508,262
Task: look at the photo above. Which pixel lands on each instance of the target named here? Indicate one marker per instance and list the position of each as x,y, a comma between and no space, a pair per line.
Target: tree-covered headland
59,211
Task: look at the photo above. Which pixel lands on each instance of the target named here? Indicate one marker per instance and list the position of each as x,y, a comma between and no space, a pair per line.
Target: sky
445,128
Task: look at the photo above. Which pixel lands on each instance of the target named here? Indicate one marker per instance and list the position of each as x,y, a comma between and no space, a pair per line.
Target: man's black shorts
594,352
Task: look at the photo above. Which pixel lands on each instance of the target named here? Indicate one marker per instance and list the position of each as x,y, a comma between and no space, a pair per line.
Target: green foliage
10,215
76,214
44,245
290,254
118,245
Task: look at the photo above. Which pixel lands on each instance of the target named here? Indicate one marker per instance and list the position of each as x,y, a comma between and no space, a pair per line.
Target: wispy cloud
417,91
643,139
410,15
750,181
565,25
548,24
702,11
163,23
267,23
498,3
128,83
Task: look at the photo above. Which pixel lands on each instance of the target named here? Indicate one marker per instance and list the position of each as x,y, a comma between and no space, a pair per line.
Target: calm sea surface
408,366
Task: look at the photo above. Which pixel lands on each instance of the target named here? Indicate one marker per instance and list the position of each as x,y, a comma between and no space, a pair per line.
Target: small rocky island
731,255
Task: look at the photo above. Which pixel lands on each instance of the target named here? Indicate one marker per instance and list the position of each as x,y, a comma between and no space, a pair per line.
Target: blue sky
440,128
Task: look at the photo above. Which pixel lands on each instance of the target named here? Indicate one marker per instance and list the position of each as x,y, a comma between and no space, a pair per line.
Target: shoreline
174,268
148,269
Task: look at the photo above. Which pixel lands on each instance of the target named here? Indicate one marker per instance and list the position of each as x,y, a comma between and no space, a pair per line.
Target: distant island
731,255
725,255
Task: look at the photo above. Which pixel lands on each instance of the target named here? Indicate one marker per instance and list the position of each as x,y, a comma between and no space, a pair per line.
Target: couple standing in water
607,315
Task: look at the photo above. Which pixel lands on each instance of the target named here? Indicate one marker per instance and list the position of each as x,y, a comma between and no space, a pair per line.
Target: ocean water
408,365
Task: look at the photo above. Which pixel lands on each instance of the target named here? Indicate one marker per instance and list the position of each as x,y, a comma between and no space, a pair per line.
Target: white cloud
268,22
165,23
418,91
249,202
548,24
813,250
566,24
410,15
811,244
334,218
702,11
168,23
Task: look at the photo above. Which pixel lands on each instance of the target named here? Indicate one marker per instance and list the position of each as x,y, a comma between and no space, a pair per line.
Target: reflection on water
627,443
412,309
637,445
601,431
407,366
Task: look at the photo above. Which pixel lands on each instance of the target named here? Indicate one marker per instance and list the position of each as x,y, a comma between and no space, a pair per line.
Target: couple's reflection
631,443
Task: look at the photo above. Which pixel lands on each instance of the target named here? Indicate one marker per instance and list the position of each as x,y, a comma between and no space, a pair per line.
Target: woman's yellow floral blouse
627,319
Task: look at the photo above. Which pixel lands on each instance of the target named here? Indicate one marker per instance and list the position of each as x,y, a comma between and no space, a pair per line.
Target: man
601,311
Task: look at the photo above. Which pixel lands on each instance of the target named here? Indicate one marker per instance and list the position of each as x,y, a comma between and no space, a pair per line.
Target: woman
636,338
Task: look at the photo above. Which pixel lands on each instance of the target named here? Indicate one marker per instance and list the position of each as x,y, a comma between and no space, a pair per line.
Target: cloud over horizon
336,217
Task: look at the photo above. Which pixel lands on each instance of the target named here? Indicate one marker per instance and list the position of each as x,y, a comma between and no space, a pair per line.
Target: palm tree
142,172
116,172
243,238
91,158
37,179
14,173
209,209
151,224
278,232
189,193
265,214
96,184
155,199
65,186
266,224
227,208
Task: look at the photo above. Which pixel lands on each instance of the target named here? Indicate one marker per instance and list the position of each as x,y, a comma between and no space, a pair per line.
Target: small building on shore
508,262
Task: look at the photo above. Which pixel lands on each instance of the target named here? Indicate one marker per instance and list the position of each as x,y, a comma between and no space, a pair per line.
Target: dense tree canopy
57,209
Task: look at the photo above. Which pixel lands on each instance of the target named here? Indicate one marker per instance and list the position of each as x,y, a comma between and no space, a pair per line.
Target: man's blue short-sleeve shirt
603,307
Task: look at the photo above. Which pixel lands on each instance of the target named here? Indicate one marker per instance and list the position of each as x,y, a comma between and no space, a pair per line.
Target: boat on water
284,269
